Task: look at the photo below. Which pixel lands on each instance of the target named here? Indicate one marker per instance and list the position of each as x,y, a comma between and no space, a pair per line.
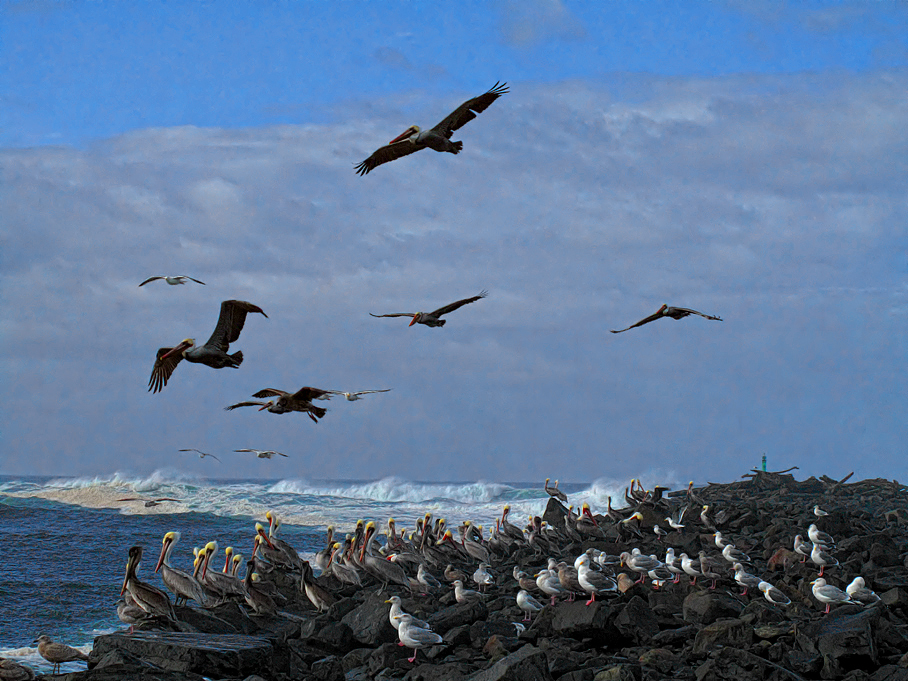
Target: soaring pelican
201,454
432,318
173,280
438,138
666,311
263,453
213,353
286,402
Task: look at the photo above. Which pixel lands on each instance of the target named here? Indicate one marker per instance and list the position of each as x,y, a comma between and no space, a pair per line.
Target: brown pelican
183,585
213,353
352,397
173,280
256,597
323,557
292,556
383,570
286,402
263,453
438,138
553,491
227,586
13,671
666,311
58,653
149,503
432,318
201,454
150,598
317,595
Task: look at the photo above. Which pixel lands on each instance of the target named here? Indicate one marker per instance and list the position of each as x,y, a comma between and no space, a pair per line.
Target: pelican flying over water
438,138
286,402
213,353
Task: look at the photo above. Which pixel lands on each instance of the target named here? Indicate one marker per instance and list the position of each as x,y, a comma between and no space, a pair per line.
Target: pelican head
169,541
411,132
415,319
132,564
181,348
267,405
662,309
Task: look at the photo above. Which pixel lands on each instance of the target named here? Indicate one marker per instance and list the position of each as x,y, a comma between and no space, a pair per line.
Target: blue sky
744,159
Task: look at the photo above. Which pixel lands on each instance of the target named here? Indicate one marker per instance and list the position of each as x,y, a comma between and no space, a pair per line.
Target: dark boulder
527,664
705,607
731,632
578,620
636,621
370,623
333,637
456,615
327,669
845,639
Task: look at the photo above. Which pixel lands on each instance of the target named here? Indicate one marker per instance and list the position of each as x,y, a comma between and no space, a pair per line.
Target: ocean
66,539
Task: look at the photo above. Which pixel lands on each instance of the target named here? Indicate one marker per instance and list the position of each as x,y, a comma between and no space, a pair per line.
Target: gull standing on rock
802,548
819,557
462,595
859,592
58,653
773,595
528,604
745,579
818,537
828,594
591,581
548,583
414,636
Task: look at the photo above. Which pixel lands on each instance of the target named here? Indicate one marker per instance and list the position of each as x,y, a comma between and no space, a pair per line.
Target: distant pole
764,463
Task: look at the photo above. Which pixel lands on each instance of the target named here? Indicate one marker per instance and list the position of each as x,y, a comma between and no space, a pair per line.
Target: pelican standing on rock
434,318
182,584
213,353
553,491
666,311
150,598
414,139
58,653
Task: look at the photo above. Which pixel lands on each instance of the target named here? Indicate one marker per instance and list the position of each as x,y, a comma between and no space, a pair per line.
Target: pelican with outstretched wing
433,318
438,138
213,353
666,311
286,402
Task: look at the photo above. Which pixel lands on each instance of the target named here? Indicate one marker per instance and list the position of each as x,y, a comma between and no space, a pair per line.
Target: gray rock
619,672
457,615
723,633
579,620
369,622
328,669
527,664
636,621
333,637
454,671
843,637
705,607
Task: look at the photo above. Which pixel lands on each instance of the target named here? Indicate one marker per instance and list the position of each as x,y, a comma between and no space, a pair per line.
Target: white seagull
528,604
414,636
773,595
262,454
201,454
828,594
352,397
859,592
173,280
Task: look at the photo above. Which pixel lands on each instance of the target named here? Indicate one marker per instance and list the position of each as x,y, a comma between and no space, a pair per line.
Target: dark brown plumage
666,311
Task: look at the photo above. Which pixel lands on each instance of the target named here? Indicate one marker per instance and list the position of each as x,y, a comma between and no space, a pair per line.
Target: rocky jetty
650,630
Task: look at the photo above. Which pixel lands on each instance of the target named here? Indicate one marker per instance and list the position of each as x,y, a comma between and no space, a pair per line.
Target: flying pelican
432,318
213,353
173,280
201,454
666,311
263,453
352,397
286,402
438,138
58,653
149,503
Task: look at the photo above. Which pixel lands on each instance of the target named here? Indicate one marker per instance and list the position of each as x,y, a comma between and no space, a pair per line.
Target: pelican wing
395,314
387,153
244,404
150,279
307,394
651,318
453,306
467,111
162,369
271,392
690,312
230,323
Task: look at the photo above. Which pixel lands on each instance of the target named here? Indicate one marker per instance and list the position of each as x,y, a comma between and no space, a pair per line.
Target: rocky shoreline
640,633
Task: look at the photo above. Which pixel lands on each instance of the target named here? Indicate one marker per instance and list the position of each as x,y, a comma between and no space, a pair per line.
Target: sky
745,159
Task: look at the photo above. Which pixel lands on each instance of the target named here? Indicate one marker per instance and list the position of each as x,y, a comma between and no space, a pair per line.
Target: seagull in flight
352,397
173,280
262,454
149,503
202,454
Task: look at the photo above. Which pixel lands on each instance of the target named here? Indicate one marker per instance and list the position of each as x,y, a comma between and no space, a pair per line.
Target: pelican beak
404,135
266,405
413,321
178,349
167,541
129,563
265,537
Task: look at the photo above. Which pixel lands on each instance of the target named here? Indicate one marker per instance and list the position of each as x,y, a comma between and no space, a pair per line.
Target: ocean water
66,539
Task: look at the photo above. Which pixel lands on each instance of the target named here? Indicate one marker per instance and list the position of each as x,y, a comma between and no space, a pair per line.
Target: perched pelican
213,353
384,570
150,598
438,138
352,397
201,454
773,595
828,594
274,524
286,402
256,597
173,280
263,453
227,586
433,318
183,585
666,311
528,604
553,491
58,653
317,595
414,636
13,671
